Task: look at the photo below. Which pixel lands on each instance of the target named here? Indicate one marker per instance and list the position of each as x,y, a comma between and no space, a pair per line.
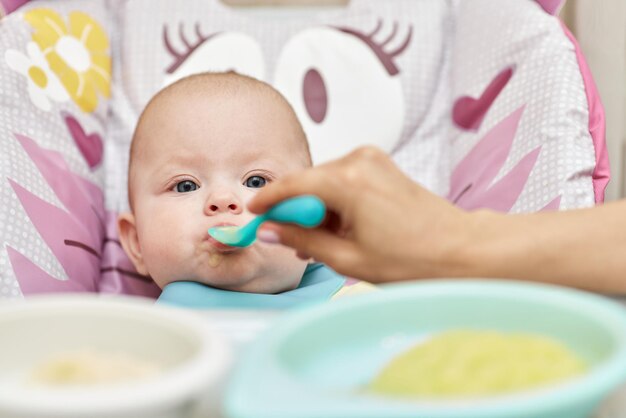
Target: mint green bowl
315,362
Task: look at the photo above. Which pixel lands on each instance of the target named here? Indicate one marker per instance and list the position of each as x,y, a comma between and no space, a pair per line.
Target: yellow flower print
78,54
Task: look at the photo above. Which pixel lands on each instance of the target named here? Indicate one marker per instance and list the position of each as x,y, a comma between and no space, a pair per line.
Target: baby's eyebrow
386,58
171,168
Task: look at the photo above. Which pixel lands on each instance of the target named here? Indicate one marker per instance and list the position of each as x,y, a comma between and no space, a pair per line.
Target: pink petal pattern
472,185
66,236
33,279
74,233
81,235
553,205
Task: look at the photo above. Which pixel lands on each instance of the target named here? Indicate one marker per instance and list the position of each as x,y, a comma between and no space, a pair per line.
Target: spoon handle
307,211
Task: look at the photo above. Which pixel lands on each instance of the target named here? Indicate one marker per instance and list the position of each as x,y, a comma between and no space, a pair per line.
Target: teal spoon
307,211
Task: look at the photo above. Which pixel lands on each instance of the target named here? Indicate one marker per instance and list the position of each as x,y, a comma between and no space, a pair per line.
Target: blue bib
318,284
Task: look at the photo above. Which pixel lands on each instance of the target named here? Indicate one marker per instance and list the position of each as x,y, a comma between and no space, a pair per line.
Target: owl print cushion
527,130
55,231
364,74
491,107
415,77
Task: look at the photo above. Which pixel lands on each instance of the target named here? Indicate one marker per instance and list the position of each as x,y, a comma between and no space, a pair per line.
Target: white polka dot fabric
546,81
49,131
391,74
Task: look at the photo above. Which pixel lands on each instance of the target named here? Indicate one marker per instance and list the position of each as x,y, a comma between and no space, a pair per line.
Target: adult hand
381,226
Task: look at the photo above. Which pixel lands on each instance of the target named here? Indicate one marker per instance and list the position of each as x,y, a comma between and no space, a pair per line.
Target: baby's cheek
162,254
285,262
160,261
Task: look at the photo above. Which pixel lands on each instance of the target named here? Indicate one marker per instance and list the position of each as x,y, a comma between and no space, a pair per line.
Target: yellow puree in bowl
467,363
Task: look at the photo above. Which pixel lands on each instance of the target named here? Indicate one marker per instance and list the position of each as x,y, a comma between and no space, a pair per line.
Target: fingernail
268,236
302,256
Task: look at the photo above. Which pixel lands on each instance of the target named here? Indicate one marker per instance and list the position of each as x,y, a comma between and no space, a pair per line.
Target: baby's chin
257,284
250,271
247,276
260,269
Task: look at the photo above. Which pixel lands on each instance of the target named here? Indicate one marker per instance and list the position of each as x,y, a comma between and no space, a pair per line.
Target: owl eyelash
386,58
179,58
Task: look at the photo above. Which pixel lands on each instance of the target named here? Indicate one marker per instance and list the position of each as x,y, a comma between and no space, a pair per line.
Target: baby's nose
224,203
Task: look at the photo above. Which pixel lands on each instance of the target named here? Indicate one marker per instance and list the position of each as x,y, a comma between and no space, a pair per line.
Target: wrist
479,245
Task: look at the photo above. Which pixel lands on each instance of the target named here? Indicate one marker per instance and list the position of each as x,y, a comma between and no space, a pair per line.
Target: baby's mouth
217,246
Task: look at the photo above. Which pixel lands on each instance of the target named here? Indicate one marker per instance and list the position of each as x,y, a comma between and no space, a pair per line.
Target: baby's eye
255,182
186,186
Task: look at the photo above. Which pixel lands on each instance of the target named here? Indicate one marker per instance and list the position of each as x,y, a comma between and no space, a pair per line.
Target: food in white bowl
176,358
91,367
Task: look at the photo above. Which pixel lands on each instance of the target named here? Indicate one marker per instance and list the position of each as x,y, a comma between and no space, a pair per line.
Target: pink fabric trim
602,173
7,6
551,6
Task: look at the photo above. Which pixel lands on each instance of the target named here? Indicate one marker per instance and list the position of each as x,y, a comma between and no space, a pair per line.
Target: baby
202,148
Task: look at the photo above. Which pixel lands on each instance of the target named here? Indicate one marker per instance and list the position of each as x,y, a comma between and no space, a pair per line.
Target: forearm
581,248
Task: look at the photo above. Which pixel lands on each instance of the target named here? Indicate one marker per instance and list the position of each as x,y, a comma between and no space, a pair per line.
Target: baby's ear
130,241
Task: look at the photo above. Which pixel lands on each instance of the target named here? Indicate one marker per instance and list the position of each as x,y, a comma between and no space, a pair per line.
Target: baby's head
202,148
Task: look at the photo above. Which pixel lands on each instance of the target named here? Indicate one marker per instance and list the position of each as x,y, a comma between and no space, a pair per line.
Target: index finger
313,181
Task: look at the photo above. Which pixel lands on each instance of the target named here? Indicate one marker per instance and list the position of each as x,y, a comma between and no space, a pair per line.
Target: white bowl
192,355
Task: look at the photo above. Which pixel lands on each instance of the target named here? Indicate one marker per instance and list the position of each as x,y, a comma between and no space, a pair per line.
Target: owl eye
217,52
344,89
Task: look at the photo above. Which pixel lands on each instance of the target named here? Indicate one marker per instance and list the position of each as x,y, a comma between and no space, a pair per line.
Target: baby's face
201,160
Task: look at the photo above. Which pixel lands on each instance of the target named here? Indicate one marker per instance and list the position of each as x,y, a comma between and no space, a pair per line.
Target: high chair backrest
491,106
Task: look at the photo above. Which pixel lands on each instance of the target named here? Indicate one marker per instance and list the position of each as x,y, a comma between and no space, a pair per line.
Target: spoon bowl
307,211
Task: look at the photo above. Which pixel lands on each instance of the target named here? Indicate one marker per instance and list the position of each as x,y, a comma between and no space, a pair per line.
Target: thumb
319,243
